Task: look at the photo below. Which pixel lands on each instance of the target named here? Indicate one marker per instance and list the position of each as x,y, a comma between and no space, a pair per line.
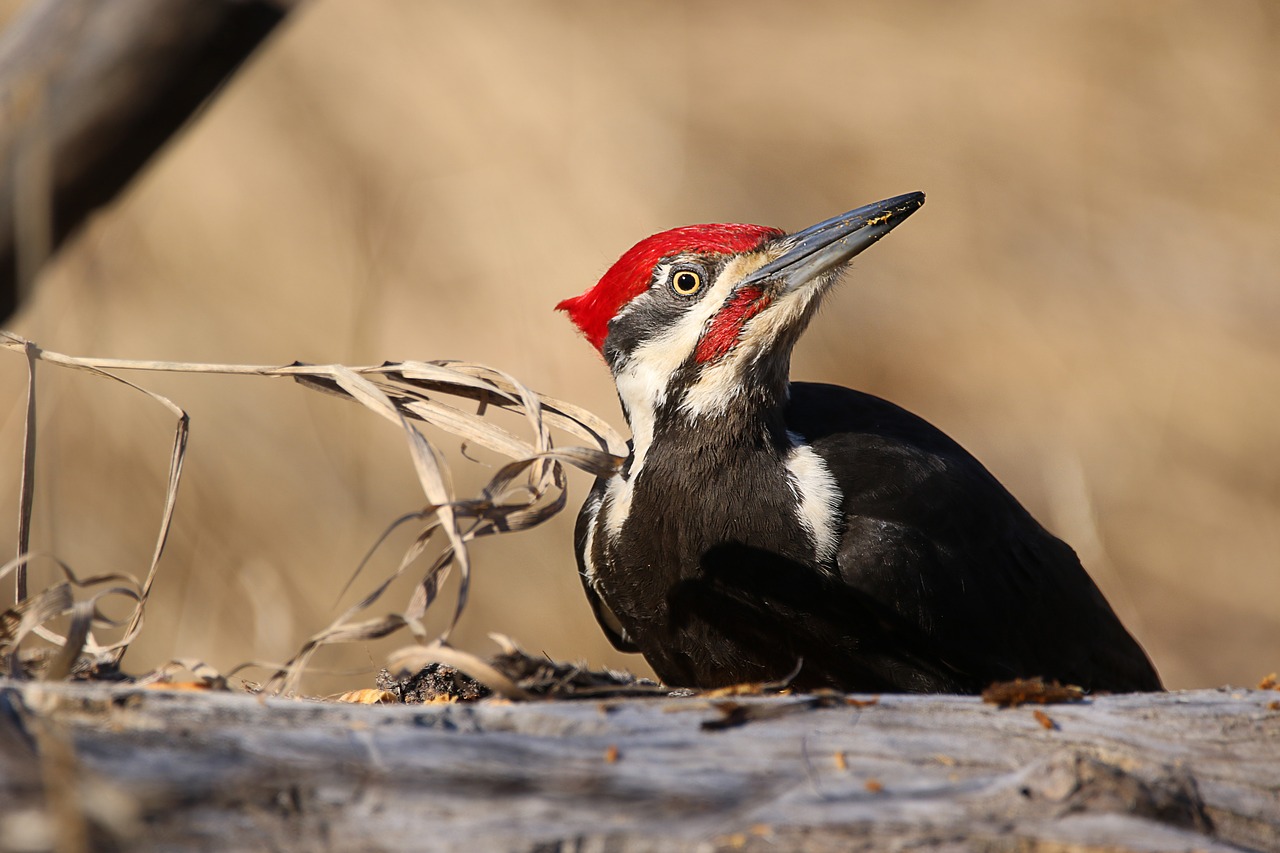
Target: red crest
630,276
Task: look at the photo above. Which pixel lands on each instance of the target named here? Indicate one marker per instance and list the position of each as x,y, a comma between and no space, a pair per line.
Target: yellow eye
686,282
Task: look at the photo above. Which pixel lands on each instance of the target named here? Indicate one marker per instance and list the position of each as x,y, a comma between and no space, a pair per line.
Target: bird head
698,318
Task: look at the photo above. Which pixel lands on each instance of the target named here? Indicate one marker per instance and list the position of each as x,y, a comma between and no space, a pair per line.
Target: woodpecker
763,529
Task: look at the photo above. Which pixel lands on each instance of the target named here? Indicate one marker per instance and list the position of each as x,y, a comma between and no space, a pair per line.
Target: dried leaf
368,696
77,650
209,677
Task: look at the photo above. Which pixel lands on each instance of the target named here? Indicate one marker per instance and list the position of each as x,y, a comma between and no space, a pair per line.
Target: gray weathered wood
1196,770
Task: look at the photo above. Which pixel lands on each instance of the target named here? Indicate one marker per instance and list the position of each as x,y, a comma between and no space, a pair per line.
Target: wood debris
178,685
733,714
1020,691
369,696
534,676
1044,720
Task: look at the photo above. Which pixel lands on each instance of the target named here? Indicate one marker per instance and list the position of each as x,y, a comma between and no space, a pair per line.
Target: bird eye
686,282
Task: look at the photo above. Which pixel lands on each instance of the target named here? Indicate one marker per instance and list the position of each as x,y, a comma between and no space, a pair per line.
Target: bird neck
737,476
735,473
724,405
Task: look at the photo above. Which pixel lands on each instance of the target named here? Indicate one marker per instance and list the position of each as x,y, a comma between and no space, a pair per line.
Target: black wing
935,538
609,623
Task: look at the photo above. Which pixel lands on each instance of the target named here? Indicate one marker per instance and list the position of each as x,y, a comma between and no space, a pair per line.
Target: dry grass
1089,301
523,493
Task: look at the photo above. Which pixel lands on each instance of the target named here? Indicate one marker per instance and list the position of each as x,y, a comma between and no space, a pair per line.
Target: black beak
827,245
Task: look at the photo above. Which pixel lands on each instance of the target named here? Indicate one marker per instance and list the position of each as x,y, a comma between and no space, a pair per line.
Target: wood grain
1195,770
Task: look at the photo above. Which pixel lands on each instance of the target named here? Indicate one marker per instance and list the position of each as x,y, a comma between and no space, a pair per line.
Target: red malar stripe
726,327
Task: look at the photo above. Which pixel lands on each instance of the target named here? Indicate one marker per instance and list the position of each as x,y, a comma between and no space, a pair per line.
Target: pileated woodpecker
763,528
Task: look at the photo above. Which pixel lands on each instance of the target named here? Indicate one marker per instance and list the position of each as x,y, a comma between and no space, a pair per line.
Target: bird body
764,529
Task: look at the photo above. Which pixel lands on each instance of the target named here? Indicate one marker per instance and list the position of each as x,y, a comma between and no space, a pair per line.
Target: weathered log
88,91
147,770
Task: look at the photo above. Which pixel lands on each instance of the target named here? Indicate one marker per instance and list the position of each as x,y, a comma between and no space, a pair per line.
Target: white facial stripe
643,379
818,497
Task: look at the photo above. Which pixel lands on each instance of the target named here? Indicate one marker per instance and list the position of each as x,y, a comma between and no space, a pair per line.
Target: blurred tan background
1089,301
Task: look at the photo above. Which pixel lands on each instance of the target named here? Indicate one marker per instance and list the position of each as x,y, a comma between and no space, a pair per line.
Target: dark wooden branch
89,90
143,770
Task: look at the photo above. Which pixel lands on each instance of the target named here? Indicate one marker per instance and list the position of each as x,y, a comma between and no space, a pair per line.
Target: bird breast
660,520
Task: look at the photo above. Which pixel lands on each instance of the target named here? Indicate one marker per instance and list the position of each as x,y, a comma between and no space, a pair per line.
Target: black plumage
942,582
